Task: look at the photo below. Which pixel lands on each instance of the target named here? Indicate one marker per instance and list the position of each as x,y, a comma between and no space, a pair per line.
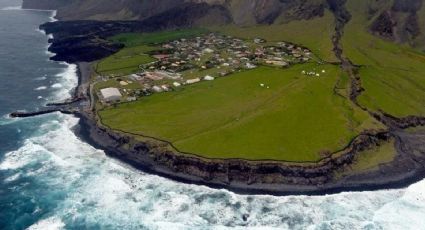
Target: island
313,106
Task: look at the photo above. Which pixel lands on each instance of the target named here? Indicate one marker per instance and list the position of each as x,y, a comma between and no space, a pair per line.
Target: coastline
242,176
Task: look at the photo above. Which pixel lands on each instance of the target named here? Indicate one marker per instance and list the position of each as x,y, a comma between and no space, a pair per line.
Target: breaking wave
12,8
66,81
40,88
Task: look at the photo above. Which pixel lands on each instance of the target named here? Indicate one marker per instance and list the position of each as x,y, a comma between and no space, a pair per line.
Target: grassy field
126,61
137,39
317,37
392,75
295,119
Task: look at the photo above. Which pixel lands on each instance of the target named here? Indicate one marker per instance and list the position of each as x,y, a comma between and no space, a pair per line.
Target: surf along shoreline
237,175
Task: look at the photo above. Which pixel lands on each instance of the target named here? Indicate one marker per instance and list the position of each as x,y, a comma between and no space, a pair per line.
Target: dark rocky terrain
399,22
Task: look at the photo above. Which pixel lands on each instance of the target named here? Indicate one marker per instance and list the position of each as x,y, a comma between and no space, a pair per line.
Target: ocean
50,179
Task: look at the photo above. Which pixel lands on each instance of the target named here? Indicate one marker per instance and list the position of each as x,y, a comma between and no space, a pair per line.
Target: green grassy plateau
296,119
126,61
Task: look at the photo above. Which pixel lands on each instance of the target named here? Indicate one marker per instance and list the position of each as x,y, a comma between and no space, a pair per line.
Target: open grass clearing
126,61
296,119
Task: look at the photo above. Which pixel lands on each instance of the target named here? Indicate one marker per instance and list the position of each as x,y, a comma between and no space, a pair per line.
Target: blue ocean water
50,179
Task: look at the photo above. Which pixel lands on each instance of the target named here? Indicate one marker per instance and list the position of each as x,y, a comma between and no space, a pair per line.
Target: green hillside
392,75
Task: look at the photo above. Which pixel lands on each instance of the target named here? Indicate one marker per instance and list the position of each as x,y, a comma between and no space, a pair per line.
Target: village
203,58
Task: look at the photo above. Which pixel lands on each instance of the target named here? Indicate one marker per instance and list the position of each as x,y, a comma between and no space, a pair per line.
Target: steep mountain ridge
243,12
401,21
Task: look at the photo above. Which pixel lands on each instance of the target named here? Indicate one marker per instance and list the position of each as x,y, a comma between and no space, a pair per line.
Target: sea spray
66,81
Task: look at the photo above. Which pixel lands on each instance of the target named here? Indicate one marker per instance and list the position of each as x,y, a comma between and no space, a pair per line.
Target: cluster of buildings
226,53
313,73
215,54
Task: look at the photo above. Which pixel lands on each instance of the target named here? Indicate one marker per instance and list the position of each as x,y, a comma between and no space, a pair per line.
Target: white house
157,89
192,81
250,66
208,50
209,78
110,94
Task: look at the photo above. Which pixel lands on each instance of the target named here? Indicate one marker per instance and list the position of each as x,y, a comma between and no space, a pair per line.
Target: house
209,78
250,66
192,81
259,40
165,88
131,99
136,77
277,63
208,50
110,94
157,89
154,76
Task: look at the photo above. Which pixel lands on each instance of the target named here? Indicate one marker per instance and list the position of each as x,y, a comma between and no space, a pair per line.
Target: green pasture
293,117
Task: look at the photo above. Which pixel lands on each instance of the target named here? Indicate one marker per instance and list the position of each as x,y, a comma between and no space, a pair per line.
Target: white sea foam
6,119
103,190
57,86
66,81
41,78
53,16
13,177
22,157
52,223
12,8
40,88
